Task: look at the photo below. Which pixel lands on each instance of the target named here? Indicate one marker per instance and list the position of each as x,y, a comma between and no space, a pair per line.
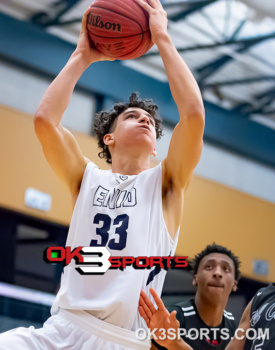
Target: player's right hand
84,44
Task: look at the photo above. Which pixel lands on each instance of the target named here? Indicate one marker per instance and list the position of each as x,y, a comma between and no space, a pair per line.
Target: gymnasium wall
213,212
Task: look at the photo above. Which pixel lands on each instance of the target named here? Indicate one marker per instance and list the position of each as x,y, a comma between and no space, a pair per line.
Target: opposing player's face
135,128
215,277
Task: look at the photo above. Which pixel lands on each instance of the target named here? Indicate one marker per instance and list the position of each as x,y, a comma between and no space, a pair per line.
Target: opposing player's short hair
215,248
105,120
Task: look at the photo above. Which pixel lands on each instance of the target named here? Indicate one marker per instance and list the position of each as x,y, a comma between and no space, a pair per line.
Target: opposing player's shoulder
263,296
265,291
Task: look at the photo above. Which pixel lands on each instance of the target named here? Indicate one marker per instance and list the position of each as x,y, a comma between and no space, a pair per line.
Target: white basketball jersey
123,213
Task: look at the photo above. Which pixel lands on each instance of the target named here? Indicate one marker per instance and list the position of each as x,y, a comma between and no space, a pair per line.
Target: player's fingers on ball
143,4
159,4
157,299
153,3
84,21
156,4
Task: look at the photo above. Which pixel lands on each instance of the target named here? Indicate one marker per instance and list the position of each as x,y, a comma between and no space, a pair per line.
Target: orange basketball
119,28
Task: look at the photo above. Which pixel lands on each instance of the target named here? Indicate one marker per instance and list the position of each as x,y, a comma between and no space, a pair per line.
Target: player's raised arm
187,138
186,143
59,145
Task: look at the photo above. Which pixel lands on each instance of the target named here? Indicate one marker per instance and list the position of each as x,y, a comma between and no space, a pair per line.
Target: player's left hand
157,18
159,318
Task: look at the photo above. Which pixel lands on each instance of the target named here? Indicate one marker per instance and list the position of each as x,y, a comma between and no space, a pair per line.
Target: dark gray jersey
262,320
197,334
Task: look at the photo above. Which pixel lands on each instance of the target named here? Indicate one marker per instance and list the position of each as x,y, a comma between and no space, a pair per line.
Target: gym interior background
229,46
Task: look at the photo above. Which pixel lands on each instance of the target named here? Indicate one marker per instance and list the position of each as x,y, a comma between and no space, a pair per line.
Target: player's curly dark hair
105,120
215,248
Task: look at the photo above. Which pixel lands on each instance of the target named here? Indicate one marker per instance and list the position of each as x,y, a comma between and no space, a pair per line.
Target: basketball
119,28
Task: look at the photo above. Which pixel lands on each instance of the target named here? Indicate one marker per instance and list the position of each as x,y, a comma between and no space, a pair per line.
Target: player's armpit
238,344
62,152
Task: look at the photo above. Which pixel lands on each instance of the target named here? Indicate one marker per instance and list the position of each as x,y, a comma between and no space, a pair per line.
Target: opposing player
257,326
132,210
203,319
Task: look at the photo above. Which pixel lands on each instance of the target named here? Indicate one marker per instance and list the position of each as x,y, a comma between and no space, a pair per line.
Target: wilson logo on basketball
96,21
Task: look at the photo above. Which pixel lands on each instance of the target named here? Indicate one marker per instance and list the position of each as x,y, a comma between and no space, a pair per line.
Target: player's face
215,277
135,128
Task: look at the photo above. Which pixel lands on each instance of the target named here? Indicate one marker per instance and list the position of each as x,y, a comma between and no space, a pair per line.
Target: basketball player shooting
133,210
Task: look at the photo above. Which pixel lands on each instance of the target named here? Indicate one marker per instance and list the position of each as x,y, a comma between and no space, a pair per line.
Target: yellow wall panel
23,165
241,222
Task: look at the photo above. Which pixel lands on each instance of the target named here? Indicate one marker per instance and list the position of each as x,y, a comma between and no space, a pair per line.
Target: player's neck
130,165
210,313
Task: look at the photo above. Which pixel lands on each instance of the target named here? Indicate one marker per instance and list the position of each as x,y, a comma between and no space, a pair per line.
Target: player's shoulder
263,295
269,289
153,173
92,167
90,164
91,174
